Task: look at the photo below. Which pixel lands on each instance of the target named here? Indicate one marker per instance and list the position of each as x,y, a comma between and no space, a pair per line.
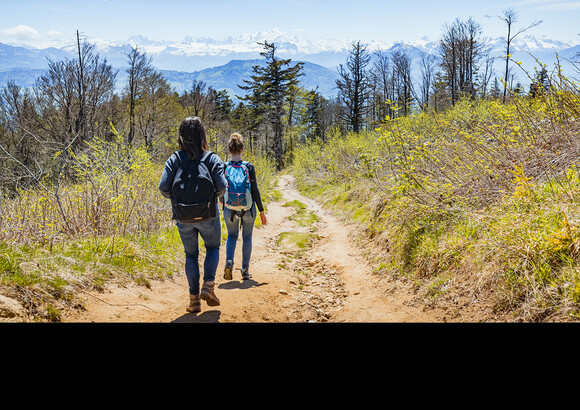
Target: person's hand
263,218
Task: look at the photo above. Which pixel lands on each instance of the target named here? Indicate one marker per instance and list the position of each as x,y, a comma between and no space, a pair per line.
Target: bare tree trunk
510,17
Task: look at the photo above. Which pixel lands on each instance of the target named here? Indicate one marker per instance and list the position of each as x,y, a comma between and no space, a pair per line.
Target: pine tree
541,83
270,87
495,91
312,118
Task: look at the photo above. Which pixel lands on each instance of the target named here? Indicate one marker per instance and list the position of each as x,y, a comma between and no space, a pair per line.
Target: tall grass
114,193
480,200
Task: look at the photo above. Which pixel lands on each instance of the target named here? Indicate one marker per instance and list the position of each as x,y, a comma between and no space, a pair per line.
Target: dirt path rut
305,266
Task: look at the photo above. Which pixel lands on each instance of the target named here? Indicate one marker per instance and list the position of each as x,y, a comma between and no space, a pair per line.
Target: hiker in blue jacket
241,199
193,178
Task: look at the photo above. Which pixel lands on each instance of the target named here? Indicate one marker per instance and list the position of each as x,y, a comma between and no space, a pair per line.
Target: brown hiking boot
228,269
194,304
207,293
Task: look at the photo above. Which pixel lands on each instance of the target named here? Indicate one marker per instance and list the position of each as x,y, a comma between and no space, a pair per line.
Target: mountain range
222,64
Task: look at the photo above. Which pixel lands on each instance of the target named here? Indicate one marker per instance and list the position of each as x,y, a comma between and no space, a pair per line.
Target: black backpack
193,193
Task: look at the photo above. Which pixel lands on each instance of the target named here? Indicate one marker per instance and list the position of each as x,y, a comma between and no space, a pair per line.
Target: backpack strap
181,157
206,155
204,158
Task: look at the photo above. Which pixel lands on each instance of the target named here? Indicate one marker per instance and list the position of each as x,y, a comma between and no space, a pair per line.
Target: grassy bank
476,206
48,280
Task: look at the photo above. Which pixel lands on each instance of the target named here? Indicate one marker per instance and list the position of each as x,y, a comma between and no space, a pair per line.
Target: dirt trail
330,281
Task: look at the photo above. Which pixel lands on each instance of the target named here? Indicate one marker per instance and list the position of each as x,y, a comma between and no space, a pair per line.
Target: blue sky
34,21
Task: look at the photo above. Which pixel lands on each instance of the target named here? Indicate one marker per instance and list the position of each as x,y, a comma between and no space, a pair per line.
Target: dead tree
510,16
353,85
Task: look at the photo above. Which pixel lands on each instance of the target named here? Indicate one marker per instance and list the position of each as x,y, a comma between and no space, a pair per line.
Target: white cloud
21,32
54,34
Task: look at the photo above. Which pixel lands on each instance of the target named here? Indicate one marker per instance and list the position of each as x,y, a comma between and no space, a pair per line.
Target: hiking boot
228,270
194,304
207,293
246,274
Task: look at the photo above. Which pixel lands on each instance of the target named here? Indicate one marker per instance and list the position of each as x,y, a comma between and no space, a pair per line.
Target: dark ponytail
192,137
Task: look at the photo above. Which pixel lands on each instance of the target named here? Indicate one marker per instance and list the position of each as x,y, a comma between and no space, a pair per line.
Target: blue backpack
238,196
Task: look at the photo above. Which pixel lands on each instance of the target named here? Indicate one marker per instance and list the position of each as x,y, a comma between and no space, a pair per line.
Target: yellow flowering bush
114,193
484,194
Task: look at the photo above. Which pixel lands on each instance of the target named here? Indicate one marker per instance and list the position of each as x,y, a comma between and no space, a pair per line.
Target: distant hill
229,76
23,77
226,77
12,57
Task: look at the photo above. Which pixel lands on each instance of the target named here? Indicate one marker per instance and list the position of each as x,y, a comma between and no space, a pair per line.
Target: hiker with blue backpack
240,201
193,178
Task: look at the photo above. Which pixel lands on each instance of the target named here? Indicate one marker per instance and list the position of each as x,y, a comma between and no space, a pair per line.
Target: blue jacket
214,164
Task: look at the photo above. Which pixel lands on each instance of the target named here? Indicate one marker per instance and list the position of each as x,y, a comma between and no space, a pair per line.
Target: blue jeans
233,232
210,232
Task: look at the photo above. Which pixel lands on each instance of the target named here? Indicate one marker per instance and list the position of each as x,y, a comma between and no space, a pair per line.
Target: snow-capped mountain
193,55
209,51
172,55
